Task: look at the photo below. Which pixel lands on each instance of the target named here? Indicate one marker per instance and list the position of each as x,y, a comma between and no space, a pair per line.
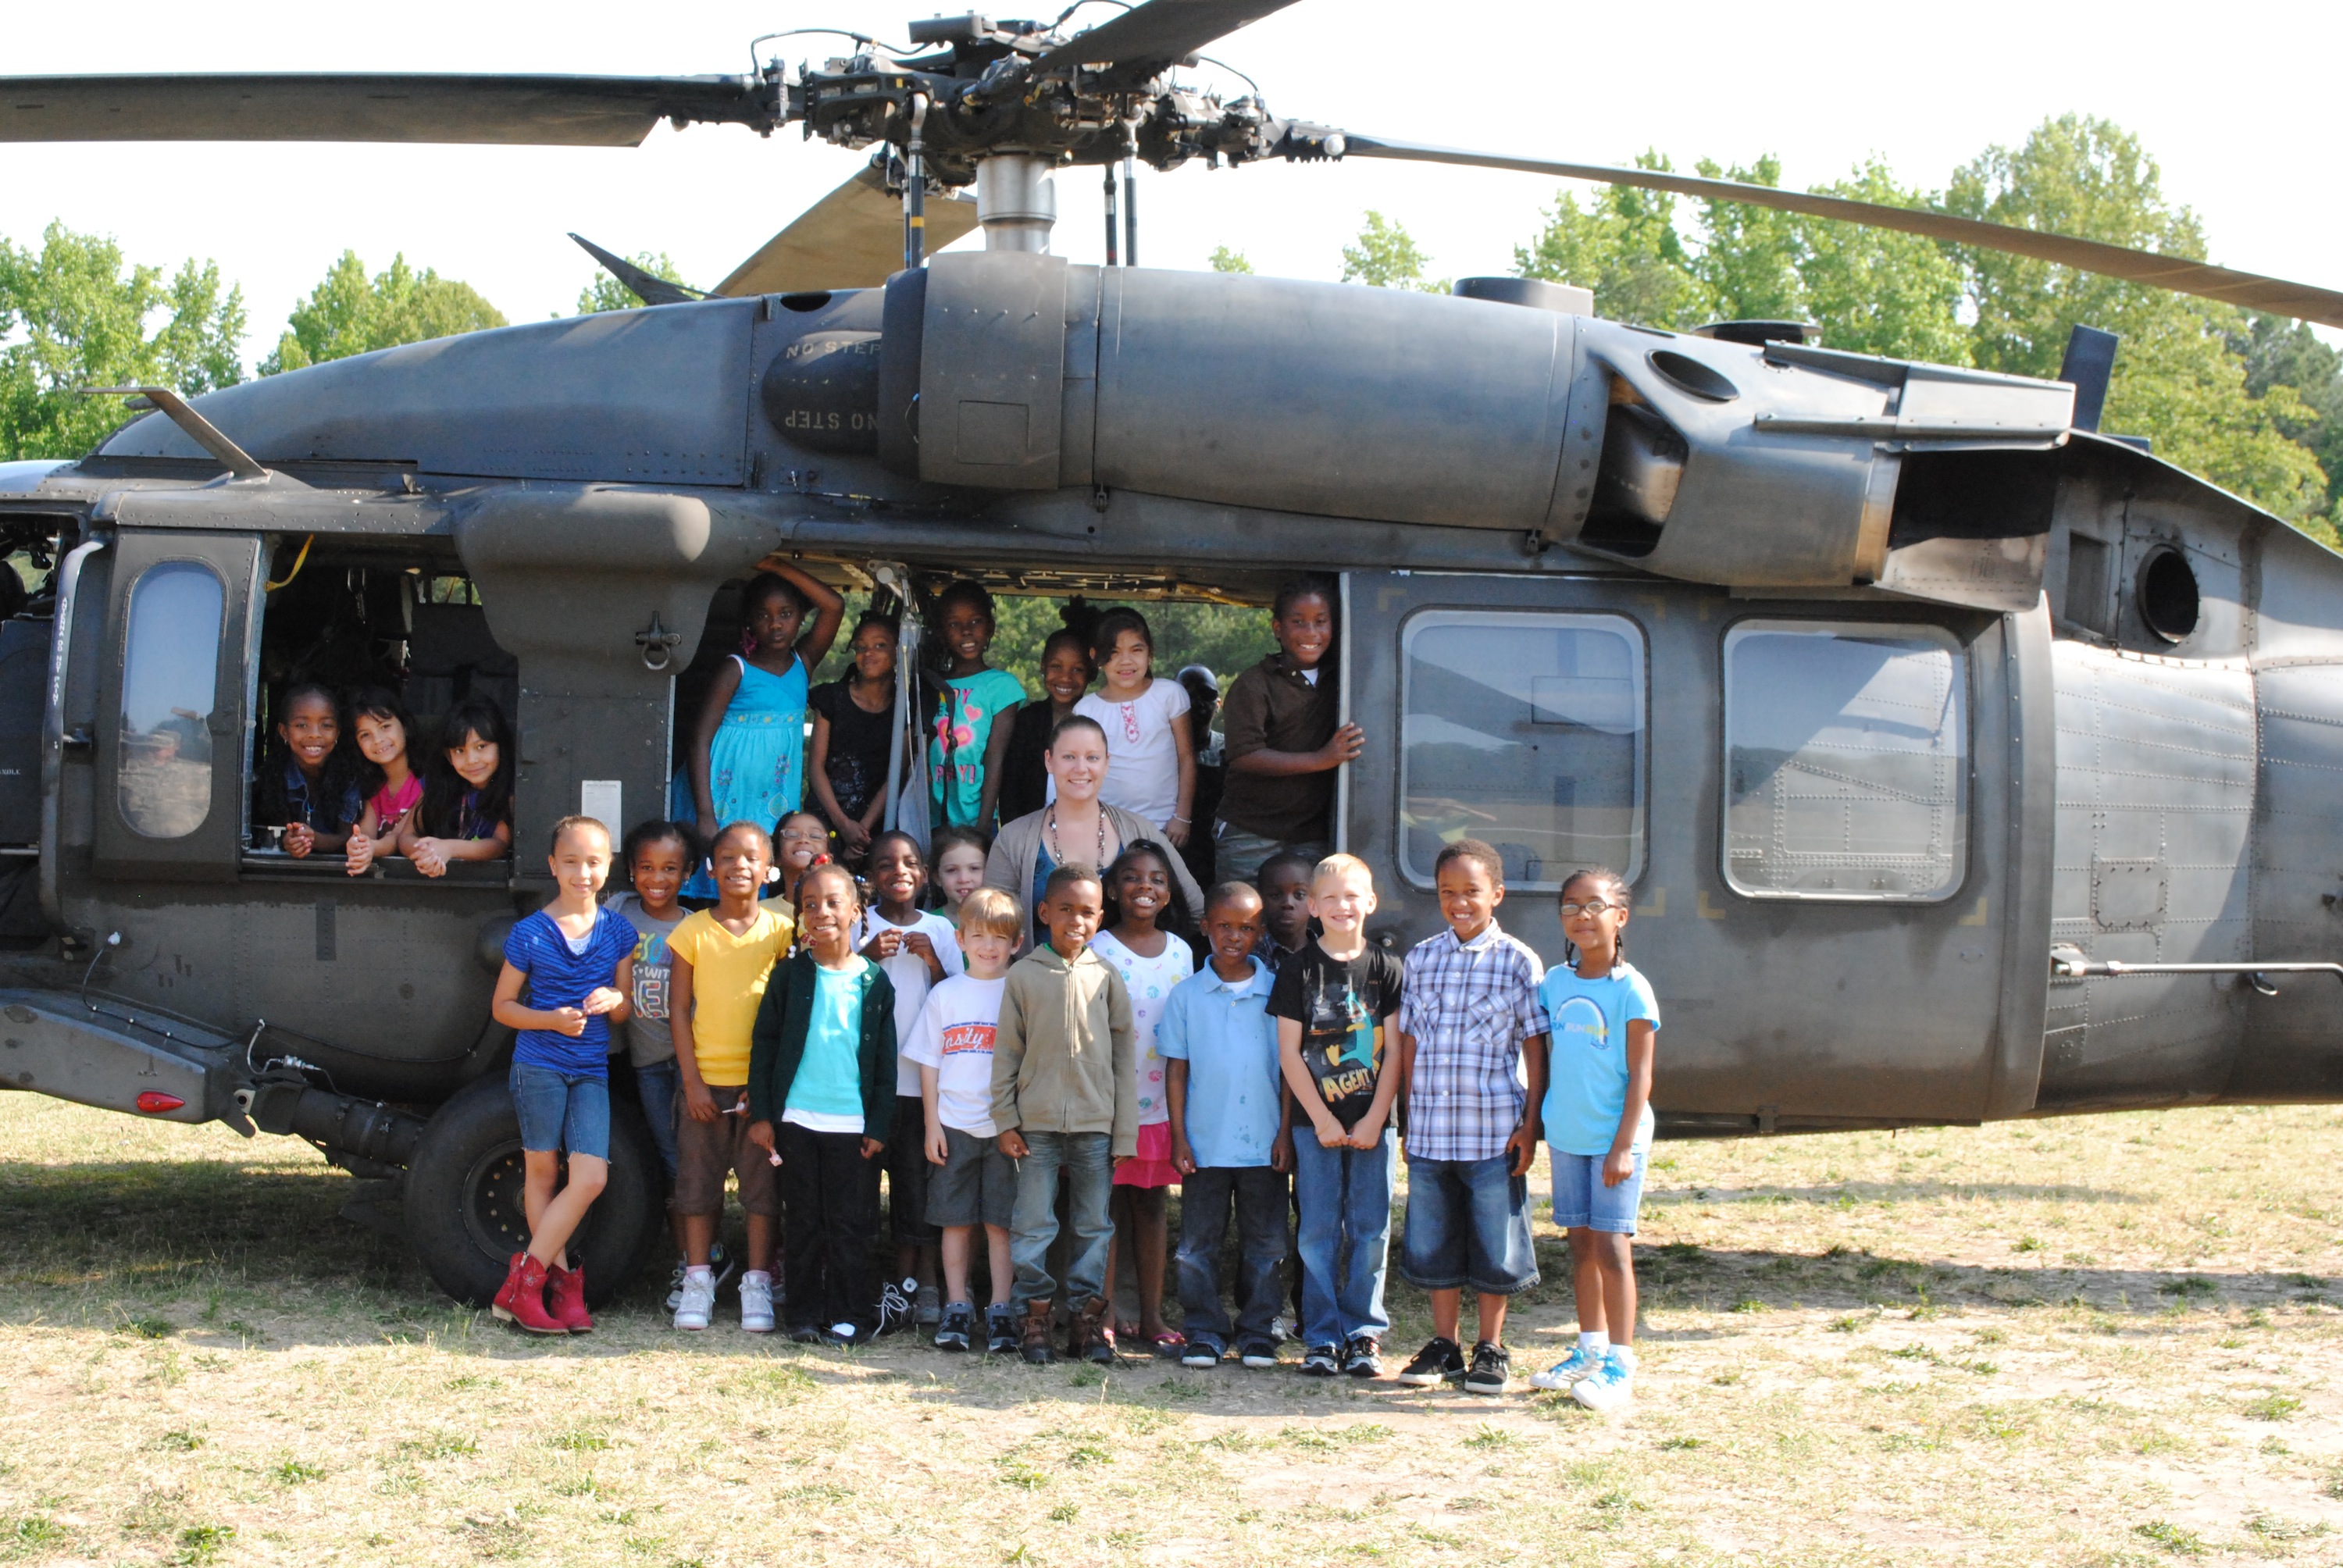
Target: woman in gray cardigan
1074,828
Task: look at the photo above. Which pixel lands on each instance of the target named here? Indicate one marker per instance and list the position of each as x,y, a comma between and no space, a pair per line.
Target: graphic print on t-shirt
1579,1021
961,1039
1338,1040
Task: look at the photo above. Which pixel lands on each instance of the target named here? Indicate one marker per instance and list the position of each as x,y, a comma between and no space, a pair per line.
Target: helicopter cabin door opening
1822,786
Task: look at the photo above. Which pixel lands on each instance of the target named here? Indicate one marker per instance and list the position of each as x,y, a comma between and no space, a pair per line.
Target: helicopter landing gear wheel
463,1198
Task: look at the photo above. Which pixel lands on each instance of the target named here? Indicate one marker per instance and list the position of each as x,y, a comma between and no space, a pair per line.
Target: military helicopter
1968,763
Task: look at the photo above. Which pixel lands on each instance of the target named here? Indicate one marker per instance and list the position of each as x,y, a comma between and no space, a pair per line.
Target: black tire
463,1198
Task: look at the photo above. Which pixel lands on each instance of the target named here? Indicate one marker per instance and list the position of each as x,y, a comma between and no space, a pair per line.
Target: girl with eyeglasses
1602,1024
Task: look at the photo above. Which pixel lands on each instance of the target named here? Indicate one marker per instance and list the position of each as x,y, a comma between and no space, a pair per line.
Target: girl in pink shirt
381,725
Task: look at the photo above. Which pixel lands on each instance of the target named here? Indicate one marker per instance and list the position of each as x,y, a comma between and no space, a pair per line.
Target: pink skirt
1152,1166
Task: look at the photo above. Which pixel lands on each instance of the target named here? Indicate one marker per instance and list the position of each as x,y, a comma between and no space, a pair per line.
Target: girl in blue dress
748,754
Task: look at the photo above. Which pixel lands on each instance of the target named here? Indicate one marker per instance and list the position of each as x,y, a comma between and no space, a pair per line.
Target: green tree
349,313
2281,352
2177,378
1625,248
1227,640
1870,290
72,315
1227,260
607,293
1749,259
1874,291
1385,256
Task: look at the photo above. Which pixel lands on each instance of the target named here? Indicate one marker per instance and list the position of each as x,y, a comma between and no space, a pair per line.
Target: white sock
1593,1340
698,1272
756,1274
1625,1356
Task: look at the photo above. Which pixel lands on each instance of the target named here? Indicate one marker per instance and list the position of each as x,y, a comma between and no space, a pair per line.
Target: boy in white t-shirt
915,948
972,1183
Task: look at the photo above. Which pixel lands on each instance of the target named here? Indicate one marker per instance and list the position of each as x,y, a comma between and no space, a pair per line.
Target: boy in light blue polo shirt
1229,1138
1602,1023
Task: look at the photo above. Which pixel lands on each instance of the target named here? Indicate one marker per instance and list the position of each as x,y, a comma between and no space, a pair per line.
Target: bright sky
2241,125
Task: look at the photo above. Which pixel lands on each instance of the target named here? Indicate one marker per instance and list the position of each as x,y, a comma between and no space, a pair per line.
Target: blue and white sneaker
1567,1372
1608,1387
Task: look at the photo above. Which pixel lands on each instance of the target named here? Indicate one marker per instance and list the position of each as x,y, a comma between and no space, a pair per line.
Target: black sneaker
1493,1367
1258,1354
952,1332
807,1335
1321,1360
1435,1363
1202,1354
1364,1356
1001,1331
896,1304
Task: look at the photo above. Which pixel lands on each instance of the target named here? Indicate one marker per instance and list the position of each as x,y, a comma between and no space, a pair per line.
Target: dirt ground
2107,1341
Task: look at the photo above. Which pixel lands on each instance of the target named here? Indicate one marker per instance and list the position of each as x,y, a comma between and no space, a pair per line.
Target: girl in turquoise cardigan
821,1104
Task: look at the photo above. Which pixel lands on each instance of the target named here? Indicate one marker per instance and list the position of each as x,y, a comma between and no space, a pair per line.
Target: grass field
2110,1341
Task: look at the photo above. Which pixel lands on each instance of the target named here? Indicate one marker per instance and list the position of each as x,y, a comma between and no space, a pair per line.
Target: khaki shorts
705,1152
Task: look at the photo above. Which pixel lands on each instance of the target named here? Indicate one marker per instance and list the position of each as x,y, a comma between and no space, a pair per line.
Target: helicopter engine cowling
1761,465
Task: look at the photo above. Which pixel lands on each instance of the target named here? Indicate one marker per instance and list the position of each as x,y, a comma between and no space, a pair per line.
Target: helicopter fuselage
1876,680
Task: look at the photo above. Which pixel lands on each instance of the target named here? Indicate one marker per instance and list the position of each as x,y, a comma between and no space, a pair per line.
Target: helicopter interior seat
450,656
23,687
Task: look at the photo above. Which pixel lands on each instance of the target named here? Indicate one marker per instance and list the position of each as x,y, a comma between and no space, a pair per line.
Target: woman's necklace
1059,854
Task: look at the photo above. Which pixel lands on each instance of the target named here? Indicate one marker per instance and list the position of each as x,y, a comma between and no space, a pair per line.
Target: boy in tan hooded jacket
1065,1096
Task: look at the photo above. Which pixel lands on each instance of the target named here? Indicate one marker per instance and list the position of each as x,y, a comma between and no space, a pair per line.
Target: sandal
1171,1342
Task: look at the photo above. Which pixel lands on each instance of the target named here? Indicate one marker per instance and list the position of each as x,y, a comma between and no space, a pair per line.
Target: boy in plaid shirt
1468,1015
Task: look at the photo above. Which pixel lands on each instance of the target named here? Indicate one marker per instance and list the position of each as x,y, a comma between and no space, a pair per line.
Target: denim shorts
1468,1224
561,1111
1581,1202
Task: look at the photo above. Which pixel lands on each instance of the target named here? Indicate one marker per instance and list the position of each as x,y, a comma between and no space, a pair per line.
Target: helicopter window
1846,761
170,676
1526,730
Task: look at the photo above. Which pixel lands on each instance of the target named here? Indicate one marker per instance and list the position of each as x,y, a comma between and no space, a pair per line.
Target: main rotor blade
1149,37
2251,290
851,238
541,111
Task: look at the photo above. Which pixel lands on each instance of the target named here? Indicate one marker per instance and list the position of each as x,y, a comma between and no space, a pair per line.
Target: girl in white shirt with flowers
1150,756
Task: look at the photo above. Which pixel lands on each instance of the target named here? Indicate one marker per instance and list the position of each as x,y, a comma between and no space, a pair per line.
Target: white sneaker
1610,1385
756,1303
1580,1363
698,1304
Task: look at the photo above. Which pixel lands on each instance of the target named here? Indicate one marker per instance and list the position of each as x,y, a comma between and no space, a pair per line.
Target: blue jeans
1206,1195
659,1086
1468,1224
1345,1195
561,1111
1088,1161
1581,1202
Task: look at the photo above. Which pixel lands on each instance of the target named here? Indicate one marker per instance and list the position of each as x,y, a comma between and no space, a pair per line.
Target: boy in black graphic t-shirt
1331,1000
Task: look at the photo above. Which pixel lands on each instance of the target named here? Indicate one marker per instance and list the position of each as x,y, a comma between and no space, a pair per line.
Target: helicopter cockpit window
170,676
1525,731
1846,761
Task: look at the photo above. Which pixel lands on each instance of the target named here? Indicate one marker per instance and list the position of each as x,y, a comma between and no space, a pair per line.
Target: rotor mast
1016,201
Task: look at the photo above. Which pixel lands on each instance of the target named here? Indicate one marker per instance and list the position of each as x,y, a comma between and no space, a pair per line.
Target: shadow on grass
1850,1194
210,1254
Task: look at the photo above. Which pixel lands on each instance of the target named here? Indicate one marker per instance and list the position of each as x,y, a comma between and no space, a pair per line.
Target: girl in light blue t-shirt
1602,1022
